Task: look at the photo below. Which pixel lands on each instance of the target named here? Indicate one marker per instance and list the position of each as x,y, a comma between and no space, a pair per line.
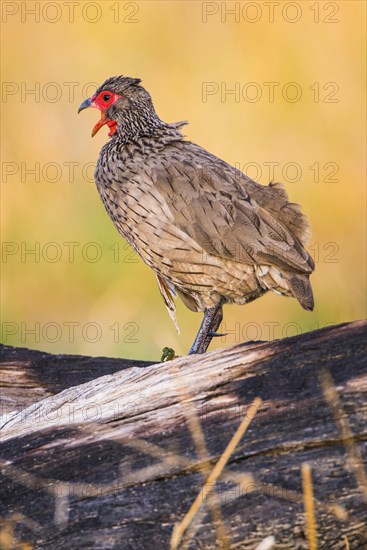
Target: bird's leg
212,319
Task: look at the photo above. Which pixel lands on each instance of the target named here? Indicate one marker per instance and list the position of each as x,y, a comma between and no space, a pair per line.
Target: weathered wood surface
101,452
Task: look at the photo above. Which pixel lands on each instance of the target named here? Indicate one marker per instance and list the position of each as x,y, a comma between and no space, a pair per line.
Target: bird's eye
106,97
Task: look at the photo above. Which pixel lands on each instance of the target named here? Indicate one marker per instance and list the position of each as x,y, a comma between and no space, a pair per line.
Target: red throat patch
112,124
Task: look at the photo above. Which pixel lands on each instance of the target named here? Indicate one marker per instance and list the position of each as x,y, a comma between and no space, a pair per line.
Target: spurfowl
211,234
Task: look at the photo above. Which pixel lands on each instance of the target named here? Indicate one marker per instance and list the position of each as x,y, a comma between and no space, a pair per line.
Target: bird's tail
301,289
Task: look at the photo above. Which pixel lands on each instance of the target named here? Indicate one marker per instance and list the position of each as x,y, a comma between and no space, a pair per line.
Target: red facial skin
103,101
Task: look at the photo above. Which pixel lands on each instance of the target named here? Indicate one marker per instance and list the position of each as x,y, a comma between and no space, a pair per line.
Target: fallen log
110,453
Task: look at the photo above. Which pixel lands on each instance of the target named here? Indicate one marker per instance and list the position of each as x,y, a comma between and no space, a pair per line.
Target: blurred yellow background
69,283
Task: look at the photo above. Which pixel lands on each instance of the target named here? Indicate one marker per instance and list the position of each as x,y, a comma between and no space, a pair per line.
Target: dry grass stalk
309,506
208,486
354,458
205,467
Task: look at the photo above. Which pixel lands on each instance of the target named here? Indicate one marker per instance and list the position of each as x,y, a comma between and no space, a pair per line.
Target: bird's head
126,107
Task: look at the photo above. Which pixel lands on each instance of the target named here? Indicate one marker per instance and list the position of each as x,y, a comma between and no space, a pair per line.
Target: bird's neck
131,128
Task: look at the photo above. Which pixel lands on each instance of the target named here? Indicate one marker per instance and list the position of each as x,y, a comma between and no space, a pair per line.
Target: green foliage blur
82,290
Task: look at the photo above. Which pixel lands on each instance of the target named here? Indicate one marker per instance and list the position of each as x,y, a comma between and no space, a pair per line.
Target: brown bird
211,234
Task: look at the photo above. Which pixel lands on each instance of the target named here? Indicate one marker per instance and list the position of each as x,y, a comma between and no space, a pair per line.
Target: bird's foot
208,328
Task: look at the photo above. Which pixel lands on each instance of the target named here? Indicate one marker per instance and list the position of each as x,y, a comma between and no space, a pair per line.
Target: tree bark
111,453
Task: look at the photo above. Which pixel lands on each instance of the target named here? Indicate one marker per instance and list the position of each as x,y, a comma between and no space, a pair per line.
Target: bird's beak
103,120
85,104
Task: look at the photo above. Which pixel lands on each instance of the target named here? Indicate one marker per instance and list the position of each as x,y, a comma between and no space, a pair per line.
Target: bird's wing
227,214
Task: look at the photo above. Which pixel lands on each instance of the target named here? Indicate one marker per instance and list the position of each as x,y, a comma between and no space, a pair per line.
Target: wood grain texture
100,454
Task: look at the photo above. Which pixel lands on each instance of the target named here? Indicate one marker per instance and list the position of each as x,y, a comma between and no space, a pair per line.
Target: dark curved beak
85,104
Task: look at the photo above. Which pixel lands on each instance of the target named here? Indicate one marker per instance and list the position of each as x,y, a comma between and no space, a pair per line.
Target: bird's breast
133,201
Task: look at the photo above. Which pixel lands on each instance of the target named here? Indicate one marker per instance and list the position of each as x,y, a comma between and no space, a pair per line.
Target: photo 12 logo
70,12
47,172
52,252
291,172
46,92
53,332
270,12
270,92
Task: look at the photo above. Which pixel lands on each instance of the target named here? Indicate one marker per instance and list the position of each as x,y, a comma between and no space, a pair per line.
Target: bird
212,235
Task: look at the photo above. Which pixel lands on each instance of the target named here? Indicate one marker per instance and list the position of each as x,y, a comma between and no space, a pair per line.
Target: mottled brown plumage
210,233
